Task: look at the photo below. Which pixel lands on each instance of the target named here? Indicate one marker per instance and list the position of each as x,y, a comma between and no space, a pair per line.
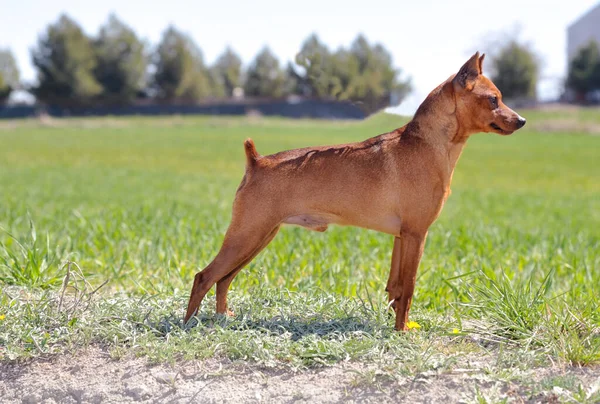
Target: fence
302,108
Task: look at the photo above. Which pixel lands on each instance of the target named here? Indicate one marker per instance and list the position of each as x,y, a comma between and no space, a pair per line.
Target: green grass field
512,265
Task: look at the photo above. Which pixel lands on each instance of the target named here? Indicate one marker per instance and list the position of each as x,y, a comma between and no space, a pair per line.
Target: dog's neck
436,123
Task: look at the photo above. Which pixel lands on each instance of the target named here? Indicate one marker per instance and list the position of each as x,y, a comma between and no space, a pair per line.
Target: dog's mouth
499,129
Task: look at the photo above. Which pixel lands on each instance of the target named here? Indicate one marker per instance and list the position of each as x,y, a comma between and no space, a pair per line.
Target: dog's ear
467,74
481,63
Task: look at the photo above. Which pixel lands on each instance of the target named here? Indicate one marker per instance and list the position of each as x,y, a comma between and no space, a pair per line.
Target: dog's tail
251,154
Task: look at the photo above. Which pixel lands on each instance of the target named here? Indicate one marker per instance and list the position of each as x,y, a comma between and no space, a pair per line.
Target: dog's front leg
394,283
411,250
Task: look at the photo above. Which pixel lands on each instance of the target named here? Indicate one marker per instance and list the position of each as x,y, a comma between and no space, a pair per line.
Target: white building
582,31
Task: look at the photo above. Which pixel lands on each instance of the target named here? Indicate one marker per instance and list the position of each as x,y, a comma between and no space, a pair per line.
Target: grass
510,271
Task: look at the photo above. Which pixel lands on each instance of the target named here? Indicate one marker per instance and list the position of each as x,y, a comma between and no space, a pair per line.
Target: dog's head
479,102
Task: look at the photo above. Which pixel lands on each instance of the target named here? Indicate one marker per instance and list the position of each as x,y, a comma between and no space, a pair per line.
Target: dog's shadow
297,327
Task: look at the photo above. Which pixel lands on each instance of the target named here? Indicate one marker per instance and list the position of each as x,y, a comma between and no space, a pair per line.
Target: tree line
117,67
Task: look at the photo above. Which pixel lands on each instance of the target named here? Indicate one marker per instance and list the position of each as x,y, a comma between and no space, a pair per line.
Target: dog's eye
494,102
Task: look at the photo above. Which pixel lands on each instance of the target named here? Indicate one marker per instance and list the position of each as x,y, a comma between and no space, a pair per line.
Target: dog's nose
521,122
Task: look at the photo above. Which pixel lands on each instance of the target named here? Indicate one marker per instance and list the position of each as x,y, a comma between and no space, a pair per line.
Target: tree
584,70
65,61
515,70
122,62
366,74
346,71
228,71
180,71
5,91
215,83
294,81
264,77
317,62
9,74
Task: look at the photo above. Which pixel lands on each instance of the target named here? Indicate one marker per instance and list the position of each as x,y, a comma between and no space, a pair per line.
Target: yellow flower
455,331
413,325
2,317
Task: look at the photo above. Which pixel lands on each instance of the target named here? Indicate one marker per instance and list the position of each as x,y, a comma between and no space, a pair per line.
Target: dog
396,183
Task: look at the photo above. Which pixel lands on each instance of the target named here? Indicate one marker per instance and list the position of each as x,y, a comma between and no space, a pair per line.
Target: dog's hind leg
248,231
223,283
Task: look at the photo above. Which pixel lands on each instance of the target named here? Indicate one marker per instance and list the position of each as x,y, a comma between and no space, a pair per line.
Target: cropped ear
481,63
467,74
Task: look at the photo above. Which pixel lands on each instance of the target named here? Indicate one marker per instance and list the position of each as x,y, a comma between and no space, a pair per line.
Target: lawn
136,206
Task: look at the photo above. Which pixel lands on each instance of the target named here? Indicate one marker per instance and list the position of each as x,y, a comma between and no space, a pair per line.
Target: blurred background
334,59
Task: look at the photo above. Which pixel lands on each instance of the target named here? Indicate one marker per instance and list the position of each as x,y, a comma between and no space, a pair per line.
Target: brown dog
395,183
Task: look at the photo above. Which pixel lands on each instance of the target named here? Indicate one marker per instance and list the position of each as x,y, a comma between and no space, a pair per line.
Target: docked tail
251,154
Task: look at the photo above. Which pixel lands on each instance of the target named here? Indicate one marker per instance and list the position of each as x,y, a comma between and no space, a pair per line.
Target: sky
429,40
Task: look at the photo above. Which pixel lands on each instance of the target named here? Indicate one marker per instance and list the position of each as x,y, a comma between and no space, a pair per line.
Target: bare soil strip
93,377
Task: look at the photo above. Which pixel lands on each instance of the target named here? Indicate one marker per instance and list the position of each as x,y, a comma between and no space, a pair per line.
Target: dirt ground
93,377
